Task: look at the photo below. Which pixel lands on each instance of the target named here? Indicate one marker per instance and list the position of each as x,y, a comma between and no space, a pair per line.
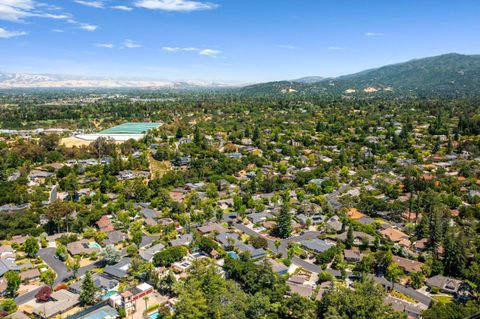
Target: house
147,240
352,255
259,217
334,224
115,237
446,284
255,253
7,264
29,274
119,270
358,237
210,228
39,176
82,247
407,264
13,207
62,301
126,175
103,282
129,297
396,236
303,290
183,240
316,245
354,213
150,213
225,203
412,310
105,224
227,239
147,254
277,267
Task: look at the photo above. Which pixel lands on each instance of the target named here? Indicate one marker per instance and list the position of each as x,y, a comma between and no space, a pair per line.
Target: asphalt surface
48,256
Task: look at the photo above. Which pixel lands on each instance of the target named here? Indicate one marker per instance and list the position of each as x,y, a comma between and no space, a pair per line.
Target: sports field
131,128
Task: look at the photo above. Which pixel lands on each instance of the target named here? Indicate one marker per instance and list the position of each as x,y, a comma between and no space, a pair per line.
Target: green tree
284,223
366,302
31,246
73,265
394,272
13,282
8,305
416,280
111,255
297,307
169,255
350,238
87,294
48,277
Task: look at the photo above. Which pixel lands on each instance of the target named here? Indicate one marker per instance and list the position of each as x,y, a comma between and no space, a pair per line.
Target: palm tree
146,303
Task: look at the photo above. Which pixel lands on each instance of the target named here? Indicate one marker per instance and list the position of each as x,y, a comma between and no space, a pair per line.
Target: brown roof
393,234
352,254
105,224
407,264
205,229
353,213
30,274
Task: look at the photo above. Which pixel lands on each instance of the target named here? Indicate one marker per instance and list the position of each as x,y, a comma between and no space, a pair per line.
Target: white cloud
19,10
5,34
122,8
93,4
88,27
57,30
205,52
175,5
286,46
130,44
210,53
177,49
104,45
335,48
374,34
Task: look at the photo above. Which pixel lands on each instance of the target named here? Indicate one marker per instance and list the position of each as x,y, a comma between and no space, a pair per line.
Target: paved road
426,300
47,255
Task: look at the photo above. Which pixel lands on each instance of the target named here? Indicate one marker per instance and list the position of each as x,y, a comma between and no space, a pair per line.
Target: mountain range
444,75
449,74
25,81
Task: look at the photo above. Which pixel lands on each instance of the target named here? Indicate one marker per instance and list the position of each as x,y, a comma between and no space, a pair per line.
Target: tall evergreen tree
87,295
284,223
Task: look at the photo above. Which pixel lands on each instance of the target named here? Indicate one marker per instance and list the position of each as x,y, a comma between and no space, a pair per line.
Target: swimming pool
232,254
94,245
109,294
100,313
154,315
199,255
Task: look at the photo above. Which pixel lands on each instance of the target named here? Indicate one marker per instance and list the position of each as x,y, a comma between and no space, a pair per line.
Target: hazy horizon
227,41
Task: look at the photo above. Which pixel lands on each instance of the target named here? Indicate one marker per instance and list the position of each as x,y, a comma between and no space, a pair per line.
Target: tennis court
131,128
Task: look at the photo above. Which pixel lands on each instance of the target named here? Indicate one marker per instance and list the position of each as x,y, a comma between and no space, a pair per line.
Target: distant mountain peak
21,80
309,79
449,74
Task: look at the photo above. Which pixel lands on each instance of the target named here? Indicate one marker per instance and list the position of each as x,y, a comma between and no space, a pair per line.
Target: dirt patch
73,141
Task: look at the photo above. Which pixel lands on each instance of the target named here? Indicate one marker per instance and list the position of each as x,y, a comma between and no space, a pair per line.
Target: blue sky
229,40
